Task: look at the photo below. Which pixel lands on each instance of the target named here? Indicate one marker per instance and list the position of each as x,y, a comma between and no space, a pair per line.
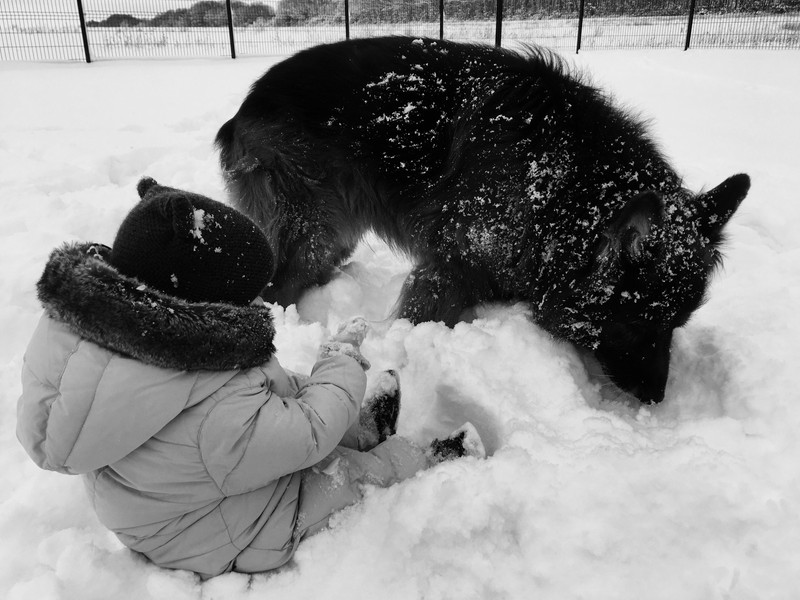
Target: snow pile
581,497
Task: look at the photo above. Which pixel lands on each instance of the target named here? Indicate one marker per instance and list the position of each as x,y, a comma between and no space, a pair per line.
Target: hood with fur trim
82,290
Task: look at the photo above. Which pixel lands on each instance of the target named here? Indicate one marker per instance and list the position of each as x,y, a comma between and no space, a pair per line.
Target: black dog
504,177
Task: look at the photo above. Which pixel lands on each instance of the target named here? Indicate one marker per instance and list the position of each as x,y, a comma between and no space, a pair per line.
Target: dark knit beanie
192,247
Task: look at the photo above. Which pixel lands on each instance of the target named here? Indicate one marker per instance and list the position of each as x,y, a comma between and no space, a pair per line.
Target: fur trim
81,289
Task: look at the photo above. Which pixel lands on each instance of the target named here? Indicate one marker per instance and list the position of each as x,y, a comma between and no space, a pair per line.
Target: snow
581,497
198,224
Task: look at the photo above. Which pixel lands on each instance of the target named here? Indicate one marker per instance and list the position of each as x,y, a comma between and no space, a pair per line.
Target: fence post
82,19
498,36
441,19
689,26
230,28
580,27
347,19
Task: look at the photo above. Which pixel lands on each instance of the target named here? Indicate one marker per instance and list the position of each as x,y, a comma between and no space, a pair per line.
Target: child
152,373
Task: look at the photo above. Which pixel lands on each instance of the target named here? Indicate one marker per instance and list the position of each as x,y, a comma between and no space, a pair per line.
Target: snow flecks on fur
198,224
504,175
398,106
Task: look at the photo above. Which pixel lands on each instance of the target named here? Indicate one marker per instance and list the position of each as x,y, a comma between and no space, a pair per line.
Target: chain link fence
56,30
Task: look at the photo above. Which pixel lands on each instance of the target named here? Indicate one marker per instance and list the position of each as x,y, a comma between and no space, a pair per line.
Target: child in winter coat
153,374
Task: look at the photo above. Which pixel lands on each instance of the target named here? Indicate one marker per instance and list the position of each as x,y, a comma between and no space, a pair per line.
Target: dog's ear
624,237
716,206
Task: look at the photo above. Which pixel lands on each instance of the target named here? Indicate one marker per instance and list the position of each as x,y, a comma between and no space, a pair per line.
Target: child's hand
352,331
346,341
328,349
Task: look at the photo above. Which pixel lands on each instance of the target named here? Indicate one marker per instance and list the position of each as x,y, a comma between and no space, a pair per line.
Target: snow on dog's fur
502,174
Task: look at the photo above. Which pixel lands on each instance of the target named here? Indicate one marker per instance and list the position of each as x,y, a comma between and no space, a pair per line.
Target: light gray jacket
190,435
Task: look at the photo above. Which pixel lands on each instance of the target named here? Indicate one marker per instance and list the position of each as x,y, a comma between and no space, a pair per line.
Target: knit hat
192,247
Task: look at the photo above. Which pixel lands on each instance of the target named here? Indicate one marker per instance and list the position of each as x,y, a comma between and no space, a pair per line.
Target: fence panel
286,26
746,24
370,18
635,24
469,21
156,28
551,23
40,30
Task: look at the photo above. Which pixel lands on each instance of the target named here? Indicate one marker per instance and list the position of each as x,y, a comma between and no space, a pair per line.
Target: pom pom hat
192,247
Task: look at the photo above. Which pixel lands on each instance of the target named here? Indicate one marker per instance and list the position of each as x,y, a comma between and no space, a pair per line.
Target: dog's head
649,274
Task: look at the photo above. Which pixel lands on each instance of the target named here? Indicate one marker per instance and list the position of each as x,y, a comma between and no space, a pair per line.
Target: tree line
210,13
207,13
293,12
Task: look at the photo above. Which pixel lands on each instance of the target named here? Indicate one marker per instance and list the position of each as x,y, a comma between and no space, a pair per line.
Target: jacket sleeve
296,380
254,436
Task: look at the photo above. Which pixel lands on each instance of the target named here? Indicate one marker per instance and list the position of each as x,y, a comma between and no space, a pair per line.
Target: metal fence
109,29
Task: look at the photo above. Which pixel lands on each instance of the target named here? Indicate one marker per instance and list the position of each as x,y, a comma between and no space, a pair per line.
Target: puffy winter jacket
189,434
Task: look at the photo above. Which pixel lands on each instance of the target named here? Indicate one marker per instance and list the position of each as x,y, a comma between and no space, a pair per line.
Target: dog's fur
504,177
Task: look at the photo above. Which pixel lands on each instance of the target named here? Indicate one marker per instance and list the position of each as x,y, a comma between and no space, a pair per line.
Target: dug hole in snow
581,497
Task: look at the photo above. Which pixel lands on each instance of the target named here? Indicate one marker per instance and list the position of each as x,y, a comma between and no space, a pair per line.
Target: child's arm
347,340
243,451
296,380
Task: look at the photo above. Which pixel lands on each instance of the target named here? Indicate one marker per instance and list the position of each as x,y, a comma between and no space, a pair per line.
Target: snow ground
697,498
